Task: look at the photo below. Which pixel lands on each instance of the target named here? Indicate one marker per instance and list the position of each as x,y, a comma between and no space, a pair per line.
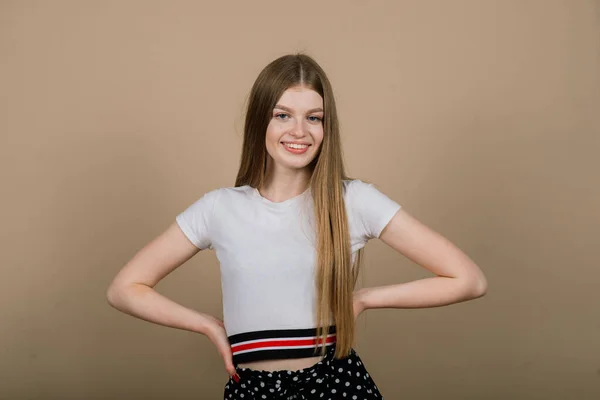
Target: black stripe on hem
261,355
275,334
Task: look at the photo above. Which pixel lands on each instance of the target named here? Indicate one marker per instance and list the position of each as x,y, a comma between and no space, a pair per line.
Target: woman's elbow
478,286
115,294
473,286
112,295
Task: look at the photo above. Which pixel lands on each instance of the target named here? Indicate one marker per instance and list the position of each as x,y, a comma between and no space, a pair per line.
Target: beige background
480,117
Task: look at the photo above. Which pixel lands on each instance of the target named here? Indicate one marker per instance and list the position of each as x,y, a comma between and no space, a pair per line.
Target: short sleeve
373,209
195,221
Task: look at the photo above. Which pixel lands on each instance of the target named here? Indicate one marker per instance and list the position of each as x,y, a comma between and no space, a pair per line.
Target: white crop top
267,256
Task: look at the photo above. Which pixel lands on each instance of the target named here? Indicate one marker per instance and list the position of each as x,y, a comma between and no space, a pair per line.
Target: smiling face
295,131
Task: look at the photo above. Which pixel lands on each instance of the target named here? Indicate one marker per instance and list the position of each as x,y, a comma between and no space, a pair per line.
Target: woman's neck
285,185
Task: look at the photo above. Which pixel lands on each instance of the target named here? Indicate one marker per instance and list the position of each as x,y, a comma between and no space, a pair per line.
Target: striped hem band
277,344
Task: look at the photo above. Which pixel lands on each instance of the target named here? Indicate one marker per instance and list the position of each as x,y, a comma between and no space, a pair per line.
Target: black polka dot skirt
328,379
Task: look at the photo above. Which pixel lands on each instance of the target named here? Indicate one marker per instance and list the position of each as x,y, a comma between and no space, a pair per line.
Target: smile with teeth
295,146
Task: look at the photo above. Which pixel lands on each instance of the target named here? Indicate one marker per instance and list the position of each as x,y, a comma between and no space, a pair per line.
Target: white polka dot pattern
330,378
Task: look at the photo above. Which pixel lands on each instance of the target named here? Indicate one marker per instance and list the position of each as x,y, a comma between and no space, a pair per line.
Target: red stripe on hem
277,343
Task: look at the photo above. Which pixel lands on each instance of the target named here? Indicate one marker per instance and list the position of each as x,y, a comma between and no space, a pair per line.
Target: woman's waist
290,364
279,344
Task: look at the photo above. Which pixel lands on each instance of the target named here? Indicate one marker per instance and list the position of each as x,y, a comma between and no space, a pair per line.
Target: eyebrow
319,109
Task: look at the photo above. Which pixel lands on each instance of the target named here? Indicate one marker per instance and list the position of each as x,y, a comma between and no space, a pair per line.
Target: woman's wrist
209,325
360,300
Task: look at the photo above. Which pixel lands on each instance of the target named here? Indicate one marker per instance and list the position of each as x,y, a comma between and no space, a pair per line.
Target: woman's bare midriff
288,364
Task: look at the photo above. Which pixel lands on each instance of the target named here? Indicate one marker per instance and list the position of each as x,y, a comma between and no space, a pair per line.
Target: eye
281,116
315,119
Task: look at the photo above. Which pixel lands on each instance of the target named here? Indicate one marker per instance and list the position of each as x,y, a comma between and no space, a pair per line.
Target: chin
295,166
299,163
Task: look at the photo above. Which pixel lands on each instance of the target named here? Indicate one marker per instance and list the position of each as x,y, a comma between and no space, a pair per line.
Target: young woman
289,237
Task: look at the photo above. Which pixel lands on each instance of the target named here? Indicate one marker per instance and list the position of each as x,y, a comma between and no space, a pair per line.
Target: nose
298,129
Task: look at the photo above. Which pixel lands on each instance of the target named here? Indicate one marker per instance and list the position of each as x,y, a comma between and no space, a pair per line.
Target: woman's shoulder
231,193
353,185
360,192
234,189
218,194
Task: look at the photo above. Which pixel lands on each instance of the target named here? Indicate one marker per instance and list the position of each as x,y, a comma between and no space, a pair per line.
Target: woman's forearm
423,293
144,302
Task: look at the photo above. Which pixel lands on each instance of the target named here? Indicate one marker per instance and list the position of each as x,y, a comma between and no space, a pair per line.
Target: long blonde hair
336,274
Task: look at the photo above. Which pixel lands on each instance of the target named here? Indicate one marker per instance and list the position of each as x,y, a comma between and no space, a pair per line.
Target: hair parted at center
336,273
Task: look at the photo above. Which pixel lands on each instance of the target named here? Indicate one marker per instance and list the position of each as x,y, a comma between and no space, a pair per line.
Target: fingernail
236,378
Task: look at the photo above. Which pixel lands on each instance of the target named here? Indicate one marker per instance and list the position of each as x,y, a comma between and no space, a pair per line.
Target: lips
295,151
300,143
